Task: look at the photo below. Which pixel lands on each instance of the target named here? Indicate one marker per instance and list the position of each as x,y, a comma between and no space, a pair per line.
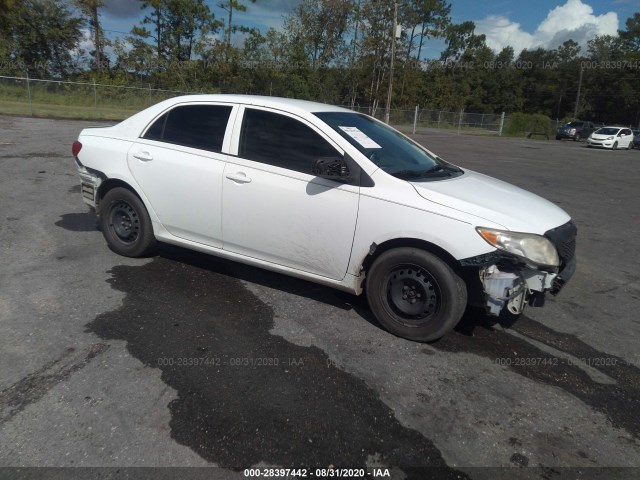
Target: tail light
75,148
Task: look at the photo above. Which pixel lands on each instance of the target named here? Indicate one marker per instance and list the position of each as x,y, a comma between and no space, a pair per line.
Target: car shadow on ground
535,351
244,395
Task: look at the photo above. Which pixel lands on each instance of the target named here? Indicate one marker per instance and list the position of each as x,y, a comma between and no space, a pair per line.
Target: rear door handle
239,177
143,156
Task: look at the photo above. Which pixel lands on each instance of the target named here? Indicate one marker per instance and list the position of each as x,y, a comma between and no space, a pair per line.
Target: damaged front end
523,268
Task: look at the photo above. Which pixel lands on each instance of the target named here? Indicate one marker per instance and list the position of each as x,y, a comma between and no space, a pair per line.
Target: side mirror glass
332,168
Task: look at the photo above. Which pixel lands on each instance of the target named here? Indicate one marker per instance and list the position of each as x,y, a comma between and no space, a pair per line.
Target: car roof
282,103
133,125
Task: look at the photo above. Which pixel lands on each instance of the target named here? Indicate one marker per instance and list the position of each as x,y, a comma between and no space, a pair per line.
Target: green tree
319,26
229,6
631,36
41,34
89,8
423,19
180,29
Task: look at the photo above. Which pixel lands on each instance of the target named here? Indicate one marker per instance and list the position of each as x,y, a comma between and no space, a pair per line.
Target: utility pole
387,112
575,110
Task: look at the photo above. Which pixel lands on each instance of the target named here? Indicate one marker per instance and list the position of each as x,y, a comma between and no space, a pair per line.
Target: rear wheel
125,223
414,294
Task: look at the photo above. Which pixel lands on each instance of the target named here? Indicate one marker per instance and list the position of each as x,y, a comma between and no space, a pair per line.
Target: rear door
626,137
178,163
274,208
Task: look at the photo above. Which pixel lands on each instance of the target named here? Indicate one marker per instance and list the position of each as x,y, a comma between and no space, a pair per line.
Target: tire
558,137
576,137
414,294
125,223
615,146
629,145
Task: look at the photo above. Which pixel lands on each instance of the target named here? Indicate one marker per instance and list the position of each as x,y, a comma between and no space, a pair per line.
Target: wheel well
412,243
468,274
110,184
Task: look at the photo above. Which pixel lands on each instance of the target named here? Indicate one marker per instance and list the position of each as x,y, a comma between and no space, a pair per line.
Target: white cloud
574,20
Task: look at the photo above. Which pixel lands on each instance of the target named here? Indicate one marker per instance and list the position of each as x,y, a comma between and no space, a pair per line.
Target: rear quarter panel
108,155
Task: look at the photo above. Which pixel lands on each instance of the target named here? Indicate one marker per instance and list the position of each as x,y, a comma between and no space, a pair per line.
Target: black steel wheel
414,294
125,223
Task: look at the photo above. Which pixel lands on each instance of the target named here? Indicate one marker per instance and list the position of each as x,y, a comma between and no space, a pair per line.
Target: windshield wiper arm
406,173
443,170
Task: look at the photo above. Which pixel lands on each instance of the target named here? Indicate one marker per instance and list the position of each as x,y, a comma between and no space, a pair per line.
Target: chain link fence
64,99
418,119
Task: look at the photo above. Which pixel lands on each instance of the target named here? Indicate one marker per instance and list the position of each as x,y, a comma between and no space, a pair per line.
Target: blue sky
520,23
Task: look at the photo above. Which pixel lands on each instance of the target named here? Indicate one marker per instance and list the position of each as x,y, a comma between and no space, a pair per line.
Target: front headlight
609,138
531,247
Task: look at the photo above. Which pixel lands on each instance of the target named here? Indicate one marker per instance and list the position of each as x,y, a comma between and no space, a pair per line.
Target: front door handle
239,177
143,156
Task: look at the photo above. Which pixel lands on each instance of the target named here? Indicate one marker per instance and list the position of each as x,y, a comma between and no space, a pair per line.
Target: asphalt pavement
187,360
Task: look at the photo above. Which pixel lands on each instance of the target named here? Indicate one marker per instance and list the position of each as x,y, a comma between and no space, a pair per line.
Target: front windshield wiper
445,169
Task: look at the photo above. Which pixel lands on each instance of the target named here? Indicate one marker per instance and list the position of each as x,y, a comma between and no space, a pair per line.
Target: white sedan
328,195
611,137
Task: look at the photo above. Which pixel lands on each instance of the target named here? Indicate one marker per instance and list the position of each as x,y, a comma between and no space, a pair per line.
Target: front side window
281,141
196,126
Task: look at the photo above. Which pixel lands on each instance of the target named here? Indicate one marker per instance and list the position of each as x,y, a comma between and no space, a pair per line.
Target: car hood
496,201
600,136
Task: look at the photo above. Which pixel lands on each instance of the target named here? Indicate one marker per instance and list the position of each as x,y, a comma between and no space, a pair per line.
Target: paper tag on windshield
360,137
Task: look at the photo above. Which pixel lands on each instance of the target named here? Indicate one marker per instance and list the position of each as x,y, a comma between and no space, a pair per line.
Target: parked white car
328,195
611,137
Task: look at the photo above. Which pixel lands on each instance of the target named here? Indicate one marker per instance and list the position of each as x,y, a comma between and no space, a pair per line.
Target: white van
328,195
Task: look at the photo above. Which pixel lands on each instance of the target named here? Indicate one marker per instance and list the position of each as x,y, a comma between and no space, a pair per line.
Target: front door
275,210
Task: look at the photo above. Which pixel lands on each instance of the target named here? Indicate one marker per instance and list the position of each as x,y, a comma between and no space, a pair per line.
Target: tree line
334,51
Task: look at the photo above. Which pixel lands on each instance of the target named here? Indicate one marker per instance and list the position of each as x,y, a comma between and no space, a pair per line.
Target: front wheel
414,294
615,146
576,137
125,223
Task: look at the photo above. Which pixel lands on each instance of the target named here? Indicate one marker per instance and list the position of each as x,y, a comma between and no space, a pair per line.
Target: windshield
607,131
390,150
574,124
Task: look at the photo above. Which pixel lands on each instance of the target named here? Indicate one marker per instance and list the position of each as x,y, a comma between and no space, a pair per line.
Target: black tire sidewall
453,294
145,241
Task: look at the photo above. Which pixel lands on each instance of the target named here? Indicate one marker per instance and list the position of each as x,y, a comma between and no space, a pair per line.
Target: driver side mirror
332,168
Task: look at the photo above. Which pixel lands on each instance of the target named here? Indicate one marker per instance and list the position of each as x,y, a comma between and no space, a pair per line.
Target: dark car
636,138
576,130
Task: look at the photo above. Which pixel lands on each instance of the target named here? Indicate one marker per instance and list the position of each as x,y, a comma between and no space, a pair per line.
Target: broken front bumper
508,282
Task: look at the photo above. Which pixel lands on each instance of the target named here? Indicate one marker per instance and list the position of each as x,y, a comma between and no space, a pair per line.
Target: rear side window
281,141
197,126
154,132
